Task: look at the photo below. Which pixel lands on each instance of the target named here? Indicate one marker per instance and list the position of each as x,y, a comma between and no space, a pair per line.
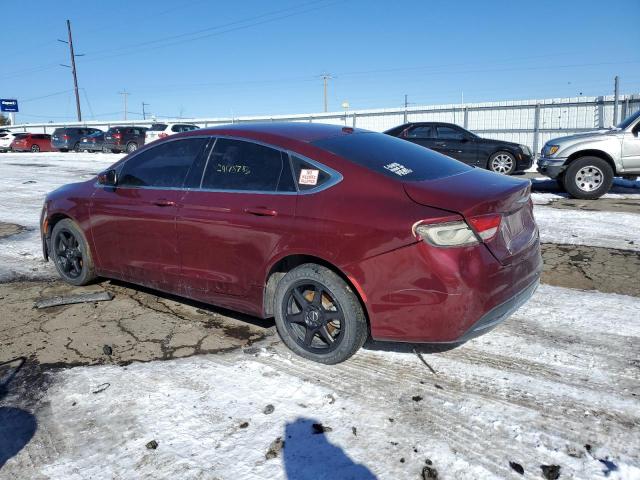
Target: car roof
299,131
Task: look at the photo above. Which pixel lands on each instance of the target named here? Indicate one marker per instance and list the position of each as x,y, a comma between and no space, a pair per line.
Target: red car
337,232
32,142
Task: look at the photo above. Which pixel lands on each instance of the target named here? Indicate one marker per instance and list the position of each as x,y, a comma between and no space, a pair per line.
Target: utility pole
325,78
73,69
124,94
616,95
144,114
406,104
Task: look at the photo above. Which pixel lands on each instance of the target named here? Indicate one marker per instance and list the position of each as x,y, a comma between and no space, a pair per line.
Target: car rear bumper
426,294
61,145
91,146
551,167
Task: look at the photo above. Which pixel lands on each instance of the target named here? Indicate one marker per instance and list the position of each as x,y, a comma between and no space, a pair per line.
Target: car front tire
588,178
70,253
318,316
502,162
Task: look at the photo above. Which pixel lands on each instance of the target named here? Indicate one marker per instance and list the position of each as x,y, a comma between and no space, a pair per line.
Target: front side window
165,165
242,165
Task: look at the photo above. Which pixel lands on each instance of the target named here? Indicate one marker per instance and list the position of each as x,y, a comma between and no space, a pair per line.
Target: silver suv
585,164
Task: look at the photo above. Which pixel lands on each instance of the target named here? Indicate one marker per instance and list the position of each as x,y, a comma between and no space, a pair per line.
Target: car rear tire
588,178
76,147
64,150
502,162
318,316
35,148
132,147
70,253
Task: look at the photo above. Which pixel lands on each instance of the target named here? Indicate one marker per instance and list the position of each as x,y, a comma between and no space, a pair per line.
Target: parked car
93,142
456,142
162,130
585,164
123,139
68,138
339,233
34,142
6,137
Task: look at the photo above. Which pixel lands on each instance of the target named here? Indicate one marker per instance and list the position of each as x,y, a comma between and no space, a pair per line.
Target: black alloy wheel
314,319
67,254
70,253
318,315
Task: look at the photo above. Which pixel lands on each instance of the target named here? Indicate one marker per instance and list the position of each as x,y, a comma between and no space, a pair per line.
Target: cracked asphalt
137,325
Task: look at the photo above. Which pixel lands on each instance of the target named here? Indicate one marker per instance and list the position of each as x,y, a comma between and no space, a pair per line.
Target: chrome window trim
335,177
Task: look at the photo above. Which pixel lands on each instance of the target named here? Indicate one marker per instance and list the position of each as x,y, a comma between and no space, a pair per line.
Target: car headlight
526,150
553,149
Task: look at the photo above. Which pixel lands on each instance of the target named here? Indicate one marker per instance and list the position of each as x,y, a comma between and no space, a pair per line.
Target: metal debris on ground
101,388
71,299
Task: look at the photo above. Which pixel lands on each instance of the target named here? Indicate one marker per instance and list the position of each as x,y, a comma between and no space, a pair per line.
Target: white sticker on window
308,177
398,169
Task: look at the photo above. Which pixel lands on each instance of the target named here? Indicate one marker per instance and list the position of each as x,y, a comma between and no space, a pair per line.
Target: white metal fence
530,122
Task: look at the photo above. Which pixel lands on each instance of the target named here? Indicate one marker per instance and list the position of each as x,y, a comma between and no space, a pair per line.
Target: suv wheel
588,178
132,147
35,148
502,162
318,316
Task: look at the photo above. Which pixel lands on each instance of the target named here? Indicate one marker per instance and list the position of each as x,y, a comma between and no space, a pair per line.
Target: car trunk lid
478,194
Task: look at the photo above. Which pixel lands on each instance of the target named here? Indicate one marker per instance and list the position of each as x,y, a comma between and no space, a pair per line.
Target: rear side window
449,133
421,132
307,176
240,165
392,156
163,166
158,127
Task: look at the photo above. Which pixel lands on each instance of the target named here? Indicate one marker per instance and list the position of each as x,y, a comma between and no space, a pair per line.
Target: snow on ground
25,180
579,227
535,391
28,177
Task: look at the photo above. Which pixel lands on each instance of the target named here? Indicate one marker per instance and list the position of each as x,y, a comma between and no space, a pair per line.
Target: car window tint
240,165
307,175
175,128
165,165
392,156
449,133
420,132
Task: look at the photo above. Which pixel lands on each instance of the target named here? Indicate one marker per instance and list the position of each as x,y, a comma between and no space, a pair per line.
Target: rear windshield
392,156
21,135
156,127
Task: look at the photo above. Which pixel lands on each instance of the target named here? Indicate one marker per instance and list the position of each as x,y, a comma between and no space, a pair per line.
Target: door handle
261,211
163,202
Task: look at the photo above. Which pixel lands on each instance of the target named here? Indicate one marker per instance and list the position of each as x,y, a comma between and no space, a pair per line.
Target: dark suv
65,139
123,139
456,142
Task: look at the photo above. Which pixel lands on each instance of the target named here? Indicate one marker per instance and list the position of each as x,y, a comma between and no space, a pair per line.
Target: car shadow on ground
17,426
255,321
308,455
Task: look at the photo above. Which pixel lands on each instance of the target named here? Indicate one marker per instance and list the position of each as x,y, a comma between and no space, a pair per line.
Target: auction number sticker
398,169
308,176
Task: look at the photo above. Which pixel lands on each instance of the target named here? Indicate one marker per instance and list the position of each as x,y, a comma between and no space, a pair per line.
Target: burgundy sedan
338,233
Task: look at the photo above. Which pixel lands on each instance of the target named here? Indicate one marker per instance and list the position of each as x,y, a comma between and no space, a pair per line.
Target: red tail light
117,136
65,137
162,135
486,226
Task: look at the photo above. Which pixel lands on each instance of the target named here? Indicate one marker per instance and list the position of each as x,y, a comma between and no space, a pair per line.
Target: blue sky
203,58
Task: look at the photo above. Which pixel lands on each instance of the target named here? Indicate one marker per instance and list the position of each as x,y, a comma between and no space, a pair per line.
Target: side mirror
108,178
